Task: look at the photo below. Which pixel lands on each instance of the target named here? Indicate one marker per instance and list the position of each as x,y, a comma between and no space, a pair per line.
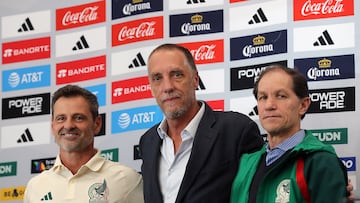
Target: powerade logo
331,136
332,100
121,9
100,92
349,162
111,154
26,78
258,45
135,119
196,23
8,169
244,77
40,165
327,68
30,105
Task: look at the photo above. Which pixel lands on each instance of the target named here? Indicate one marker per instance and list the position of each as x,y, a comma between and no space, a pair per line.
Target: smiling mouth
69,134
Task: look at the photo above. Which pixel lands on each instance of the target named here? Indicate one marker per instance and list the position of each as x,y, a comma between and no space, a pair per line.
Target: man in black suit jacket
192,156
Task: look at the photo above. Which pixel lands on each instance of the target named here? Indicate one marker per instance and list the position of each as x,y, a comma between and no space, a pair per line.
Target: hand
350,188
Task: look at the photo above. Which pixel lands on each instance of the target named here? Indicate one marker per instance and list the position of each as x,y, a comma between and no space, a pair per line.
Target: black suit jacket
221,139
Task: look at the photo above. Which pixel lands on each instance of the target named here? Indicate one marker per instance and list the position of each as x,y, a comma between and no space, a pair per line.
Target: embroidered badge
98,193
283,192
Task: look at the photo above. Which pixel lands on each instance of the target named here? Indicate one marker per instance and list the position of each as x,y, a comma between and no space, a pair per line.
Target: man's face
279,107
173,82
72,125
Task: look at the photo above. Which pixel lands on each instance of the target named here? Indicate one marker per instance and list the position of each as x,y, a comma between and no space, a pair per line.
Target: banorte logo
131,89
86,14
80,70
138,30
26,50
316,9
206,51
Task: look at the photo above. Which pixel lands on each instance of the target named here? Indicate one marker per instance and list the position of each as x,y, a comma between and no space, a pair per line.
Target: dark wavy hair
69,91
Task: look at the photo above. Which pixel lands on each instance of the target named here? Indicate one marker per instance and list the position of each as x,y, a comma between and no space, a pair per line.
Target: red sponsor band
206,51
131,89
86,14
316,9
234,1
81,70
26,50
138,30
216,105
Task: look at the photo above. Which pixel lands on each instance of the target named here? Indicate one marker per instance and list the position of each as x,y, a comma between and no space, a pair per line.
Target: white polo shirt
98,181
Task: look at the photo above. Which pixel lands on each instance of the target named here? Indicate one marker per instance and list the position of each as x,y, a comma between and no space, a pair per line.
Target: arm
326,177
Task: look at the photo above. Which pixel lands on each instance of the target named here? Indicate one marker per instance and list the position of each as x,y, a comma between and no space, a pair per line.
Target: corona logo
137,1
259,40
324,63
196,18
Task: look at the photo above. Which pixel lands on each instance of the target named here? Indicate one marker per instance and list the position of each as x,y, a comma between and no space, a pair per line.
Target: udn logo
331,136
8,169
111,154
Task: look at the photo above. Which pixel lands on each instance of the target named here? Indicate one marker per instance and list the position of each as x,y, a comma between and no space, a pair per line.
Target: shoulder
232,115
120,170
40,179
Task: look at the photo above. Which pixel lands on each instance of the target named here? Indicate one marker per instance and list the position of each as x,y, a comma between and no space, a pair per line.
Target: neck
175,126
74,160
275,139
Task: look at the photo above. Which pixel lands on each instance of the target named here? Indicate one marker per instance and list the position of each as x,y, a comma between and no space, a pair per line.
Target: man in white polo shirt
80,174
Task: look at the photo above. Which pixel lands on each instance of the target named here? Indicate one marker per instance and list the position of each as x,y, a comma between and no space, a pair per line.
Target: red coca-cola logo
316,9
206,51
145,29
328,7
86,14
138,30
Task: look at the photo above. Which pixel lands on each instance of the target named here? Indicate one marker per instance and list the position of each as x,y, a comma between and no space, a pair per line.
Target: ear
305,104
196,80
97,124
52,127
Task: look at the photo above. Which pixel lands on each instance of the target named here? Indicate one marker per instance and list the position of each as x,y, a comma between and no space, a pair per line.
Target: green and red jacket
325,175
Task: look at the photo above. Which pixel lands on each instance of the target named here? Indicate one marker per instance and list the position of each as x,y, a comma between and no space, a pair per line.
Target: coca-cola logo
86,15
204,52
328,7
145,29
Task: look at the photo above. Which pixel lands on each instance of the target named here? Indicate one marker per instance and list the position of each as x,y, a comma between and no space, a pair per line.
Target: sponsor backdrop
104,45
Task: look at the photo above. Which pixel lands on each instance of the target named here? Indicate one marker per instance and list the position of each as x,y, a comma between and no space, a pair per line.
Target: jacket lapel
203,142
154,154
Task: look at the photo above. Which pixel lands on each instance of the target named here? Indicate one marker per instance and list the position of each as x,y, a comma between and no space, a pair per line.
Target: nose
168,85
270,103
69,124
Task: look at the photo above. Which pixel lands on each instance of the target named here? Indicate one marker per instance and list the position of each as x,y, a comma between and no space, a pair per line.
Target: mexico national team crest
283,192
98,193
